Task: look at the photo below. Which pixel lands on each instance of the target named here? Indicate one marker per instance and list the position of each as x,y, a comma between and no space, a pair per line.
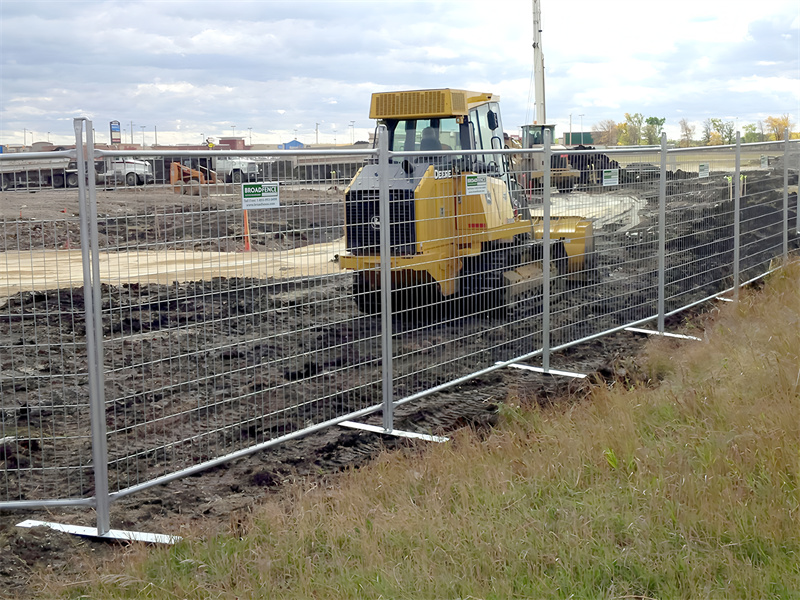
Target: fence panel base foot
395,432
113,534
548,371
672,335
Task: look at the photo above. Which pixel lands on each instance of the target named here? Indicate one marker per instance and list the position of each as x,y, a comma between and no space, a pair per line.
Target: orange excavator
187,180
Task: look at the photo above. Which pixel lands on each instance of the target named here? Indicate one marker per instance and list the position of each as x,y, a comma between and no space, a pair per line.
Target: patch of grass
685,490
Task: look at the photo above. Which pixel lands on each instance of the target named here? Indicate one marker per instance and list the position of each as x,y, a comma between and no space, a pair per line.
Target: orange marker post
246,232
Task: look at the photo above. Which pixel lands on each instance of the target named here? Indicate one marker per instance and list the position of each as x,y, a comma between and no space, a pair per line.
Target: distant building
293,145
578,137
233,143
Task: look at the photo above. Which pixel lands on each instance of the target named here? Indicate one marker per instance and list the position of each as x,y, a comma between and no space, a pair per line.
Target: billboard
116,138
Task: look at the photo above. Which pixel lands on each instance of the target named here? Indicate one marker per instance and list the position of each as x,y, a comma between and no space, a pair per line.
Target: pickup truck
236,170
129,171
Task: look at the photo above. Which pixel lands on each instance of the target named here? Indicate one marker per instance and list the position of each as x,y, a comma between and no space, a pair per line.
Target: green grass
685,488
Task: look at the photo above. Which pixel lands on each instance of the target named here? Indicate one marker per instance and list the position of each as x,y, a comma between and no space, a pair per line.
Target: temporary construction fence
197,310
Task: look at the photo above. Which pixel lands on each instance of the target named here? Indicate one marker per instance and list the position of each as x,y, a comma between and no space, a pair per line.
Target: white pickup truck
129,171
235,170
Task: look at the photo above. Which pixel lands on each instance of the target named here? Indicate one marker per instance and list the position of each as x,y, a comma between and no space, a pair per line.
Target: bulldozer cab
533,135
455,120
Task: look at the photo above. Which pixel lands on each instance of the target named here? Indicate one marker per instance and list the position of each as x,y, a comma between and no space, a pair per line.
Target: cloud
193,66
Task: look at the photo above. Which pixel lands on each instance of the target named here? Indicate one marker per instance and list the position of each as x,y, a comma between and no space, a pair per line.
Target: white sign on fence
610,177
703,170
476,184
261,195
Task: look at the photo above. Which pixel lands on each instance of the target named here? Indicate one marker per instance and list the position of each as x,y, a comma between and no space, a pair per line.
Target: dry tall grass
688,489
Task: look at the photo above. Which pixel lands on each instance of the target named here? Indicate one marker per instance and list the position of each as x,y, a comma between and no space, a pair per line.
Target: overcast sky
273,70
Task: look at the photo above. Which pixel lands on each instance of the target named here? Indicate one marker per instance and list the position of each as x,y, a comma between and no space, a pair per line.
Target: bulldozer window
408,135
488,134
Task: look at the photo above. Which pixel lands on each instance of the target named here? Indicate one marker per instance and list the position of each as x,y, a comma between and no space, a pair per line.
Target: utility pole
233,130
131,132
250,129
352,132
142,126
581,116
155,131
316,130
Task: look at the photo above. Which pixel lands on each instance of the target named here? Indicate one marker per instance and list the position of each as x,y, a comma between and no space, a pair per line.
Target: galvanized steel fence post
786,195
662,232
87,200
737,197
546,257
386,278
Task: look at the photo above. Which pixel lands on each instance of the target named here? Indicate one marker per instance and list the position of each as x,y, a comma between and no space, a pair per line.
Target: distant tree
652,130
631,134
777,125
708,129
728,132
687,132
760,125
717,132
605,133
750,133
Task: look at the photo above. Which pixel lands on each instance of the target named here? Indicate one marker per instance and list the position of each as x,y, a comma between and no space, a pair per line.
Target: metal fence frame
390,398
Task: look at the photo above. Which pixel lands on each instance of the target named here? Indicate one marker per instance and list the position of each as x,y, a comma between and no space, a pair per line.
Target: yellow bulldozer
455,227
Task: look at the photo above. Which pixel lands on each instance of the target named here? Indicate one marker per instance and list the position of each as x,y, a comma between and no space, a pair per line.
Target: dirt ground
217,497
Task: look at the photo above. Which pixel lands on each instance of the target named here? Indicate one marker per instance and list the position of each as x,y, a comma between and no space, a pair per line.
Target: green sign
476,184
260,195
703,170
610,177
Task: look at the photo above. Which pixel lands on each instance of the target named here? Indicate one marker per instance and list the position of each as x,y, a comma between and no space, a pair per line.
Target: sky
273,71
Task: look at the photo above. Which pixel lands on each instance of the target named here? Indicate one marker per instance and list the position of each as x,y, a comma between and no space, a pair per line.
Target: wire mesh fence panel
226,328
762,220
603,216
620,193
241,298
699,225
45,433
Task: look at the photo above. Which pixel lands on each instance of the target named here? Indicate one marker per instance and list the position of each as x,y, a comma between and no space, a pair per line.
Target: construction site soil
218,497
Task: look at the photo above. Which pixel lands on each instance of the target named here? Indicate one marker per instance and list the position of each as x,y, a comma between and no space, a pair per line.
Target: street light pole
142,126
581,116
131,132
250,129
352,132
233,130
570,130
24,137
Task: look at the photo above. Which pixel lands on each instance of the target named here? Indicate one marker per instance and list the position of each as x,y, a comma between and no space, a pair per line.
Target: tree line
637,130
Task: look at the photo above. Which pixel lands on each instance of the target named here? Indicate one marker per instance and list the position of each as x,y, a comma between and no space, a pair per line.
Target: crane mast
538,66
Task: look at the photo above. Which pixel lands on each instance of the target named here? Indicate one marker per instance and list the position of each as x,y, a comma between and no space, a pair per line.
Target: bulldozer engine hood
404,175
